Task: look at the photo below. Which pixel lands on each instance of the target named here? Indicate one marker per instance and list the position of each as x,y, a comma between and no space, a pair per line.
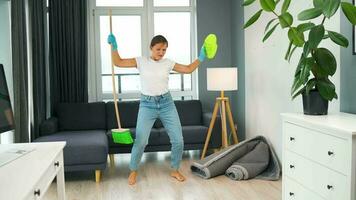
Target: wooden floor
154,182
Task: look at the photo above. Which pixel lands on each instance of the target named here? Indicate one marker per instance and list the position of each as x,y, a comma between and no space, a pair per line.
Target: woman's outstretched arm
187,69
117,60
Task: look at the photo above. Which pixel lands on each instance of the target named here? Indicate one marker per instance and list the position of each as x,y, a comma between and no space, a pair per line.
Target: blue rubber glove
202,54
112,41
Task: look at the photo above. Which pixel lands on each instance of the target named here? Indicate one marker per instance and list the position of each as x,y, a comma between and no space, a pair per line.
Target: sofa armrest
215,139
49,126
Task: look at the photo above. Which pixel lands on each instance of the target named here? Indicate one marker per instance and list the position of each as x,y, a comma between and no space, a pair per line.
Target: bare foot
177,175
132,178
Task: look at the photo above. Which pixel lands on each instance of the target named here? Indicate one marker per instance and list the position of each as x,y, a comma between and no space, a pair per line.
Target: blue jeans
152,108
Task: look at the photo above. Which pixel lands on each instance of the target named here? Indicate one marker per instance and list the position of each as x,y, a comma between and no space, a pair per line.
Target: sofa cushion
191,135
81,116
83,147
189,111
194,134
128,114
152,140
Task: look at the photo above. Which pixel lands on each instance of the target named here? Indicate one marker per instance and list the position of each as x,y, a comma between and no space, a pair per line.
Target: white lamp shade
222,79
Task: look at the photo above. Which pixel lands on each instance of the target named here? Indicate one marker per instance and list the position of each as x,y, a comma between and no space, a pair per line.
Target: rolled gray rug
217,163
251,164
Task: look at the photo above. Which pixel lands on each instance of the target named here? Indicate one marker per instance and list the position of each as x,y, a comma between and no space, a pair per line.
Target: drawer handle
330,153
37,192
329,187
291,166
291,138
291,194
56,164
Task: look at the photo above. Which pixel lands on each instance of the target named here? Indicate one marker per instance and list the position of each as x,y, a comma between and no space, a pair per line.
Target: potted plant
316,64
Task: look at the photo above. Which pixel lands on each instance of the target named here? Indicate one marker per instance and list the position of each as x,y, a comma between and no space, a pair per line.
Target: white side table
29,176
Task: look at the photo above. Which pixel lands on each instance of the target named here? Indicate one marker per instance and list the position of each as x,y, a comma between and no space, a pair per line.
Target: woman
156,101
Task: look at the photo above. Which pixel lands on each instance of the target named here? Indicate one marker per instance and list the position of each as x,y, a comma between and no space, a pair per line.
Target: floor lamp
221,79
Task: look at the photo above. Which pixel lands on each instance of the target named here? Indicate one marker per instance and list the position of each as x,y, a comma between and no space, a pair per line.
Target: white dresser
29,176
319,157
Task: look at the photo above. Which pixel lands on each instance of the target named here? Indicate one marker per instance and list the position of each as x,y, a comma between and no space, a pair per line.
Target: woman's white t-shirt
154,75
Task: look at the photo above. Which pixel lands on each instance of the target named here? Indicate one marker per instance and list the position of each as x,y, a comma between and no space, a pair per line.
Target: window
111,3
171,3
135,22
129,47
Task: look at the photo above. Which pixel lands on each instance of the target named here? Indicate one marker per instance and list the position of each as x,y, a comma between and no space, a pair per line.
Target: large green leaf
318,3
291,53
269,32
253,19
301,91
318,72
297,83
310,85
325,60
305,26
302,73
326,89
330,7
349,11
306,49
285,19
338,38
288,50
305,70
269,24
316,34
299,66
268,5
285,6
310,14
248,2
296,37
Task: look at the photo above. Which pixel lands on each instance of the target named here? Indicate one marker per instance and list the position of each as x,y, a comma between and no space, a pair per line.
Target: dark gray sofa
86,129
194,121
83,127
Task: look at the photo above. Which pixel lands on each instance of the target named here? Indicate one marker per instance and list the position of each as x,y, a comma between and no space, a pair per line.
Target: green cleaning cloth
211,46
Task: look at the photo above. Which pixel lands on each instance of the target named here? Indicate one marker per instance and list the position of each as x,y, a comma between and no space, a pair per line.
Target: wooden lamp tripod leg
231,122
224,142
212,122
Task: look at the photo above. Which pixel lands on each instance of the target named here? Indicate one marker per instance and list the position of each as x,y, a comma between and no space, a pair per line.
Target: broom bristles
122,136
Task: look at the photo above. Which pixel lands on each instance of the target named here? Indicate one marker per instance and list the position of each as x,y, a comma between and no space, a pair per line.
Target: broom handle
113,78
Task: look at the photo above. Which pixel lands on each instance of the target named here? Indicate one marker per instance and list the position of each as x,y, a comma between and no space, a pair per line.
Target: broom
119,135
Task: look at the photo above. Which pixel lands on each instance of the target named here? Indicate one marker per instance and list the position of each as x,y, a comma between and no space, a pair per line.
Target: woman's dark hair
158,39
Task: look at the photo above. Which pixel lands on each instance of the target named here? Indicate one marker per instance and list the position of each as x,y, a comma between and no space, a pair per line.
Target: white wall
5,56
269,77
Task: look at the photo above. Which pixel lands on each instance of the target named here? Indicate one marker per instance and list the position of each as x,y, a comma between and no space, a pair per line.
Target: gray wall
5,56
213,17
238,60
224,18
347,70
5,50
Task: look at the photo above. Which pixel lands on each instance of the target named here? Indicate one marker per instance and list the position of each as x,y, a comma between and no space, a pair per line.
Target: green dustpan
121,136
211,46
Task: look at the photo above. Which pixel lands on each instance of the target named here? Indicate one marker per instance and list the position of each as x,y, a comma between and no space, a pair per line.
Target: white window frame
147,13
